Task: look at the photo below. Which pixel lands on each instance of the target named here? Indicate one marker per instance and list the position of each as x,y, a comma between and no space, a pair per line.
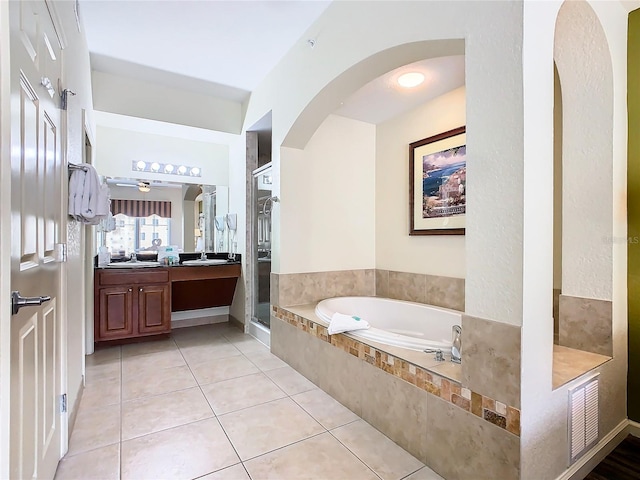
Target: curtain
141,208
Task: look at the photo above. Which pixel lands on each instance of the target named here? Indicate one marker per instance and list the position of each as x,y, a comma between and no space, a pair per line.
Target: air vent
583,418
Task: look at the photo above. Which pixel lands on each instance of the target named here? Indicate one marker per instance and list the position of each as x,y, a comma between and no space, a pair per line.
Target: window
133,234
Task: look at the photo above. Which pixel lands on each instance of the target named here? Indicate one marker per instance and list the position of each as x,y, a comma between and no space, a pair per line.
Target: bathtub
394,322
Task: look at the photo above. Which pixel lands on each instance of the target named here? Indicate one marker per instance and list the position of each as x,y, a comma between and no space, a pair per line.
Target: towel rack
73,166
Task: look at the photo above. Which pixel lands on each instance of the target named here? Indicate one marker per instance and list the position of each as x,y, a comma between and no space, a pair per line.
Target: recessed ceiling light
411,79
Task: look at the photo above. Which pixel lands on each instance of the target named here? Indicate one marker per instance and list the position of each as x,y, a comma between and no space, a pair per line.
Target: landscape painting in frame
438,184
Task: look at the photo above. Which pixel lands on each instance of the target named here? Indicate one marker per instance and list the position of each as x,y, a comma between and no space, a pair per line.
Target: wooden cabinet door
115,318
154,309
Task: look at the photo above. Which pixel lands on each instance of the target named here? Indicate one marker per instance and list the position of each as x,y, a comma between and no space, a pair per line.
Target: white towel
345,323
76,183
90,194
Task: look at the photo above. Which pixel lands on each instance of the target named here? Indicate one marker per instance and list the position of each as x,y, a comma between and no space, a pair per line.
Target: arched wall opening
581,54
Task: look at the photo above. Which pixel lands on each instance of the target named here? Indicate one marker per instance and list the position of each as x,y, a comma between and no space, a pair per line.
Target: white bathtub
393,322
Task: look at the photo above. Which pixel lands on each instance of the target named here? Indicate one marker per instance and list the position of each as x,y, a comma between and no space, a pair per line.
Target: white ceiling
226,48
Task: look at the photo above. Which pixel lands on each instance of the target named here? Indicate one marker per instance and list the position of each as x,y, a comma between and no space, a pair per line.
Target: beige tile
265,360
310,287
237,393
569,364
263,428
478,449
378,452
94,428
296,348
289,380
411,287
103,371
408,429
150,346
141,364
105,392
340,375
236,472
99,464
104,355
248,345
200,335
193,340
491,359
327,411
208,352
152,414
223,369
188,451
319,457
382,283
274,292
157,382
425,473
586,324
445,292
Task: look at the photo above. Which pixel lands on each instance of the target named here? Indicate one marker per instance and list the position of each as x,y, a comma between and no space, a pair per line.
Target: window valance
141,208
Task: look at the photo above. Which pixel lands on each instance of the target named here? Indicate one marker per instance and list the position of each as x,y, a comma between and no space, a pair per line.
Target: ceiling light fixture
165,168
410,79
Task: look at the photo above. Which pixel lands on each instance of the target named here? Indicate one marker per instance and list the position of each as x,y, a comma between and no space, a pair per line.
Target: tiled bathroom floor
213,403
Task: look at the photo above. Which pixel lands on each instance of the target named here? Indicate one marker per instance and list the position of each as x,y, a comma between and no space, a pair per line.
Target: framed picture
438,184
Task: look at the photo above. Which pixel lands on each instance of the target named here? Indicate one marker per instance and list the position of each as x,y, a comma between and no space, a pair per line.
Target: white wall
544,440
117,148
395,249
328,199
137,98
361,40
173,195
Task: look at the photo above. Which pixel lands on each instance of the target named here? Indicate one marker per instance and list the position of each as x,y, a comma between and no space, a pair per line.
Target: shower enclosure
263,207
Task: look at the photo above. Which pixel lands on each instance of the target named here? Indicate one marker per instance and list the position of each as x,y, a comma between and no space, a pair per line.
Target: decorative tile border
504,416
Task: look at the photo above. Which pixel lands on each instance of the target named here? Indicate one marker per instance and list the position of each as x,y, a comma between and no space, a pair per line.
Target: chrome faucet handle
203,255
439,355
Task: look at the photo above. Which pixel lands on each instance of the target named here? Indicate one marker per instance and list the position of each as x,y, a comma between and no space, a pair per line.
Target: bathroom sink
211,261
133,264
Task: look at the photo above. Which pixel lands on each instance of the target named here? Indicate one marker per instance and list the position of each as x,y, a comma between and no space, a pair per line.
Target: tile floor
213,403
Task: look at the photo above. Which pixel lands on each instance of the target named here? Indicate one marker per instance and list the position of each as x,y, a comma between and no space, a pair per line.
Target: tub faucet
456,344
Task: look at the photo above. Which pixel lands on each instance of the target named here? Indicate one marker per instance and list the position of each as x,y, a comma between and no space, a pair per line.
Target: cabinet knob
140,289
131,289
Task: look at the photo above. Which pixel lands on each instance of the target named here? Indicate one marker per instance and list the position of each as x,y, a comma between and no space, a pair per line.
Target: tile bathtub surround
435,290
491,360
586,324
468,399
304,288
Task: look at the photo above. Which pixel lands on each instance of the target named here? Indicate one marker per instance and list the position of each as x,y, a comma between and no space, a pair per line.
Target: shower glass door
262,281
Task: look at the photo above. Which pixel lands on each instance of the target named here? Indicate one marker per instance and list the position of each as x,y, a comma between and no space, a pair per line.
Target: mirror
191,225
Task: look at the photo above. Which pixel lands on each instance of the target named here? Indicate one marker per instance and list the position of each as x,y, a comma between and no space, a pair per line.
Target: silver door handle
18,301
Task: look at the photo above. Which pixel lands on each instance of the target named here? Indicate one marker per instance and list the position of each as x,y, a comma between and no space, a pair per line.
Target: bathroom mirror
149,214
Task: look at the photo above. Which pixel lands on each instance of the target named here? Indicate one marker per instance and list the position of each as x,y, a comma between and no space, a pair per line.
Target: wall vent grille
583,418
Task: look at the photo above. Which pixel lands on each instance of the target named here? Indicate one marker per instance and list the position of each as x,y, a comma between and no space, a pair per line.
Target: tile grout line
353,453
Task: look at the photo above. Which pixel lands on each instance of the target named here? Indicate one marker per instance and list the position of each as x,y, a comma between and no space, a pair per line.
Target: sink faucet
456,345
203,255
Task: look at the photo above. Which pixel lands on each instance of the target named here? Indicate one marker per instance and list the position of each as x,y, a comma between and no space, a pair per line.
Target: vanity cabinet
131,304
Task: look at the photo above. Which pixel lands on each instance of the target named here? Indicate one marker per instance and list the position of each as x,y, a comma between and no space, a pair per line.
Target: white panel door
36,214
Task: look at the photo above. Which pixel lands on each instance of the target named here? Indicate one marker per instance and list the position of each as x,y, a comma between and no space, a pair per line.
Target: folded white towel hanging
220,223
345,323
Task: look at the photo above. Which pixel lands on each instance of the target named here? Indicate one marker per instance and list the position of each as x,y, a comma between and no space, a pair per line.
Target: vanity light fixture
165,168
410,79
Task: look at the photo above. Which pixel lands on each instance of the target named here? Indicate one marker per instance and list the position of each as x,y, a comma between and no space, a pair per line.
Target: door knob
18,301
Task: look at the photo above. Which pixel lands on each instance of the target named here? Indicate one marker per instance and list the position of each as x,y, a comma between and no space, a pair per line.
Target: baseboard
203,316
593,457
73,414
633,428
236,323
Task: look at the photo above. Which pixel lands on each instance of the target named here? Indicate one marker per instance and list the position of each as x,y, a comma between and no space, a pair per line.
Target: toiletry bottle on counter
104,257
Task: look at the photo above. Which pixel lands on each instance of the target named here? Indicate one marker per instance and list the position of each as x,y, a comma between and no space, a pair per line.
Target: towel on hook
345,323
76,184
90,193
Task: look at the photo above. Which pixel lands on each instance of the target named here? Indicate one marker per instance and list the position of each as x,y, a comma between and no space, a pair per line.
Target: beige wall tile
461,445
411,287
491,359
303,288
297,348
382,283
383,397
586,324
445,292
